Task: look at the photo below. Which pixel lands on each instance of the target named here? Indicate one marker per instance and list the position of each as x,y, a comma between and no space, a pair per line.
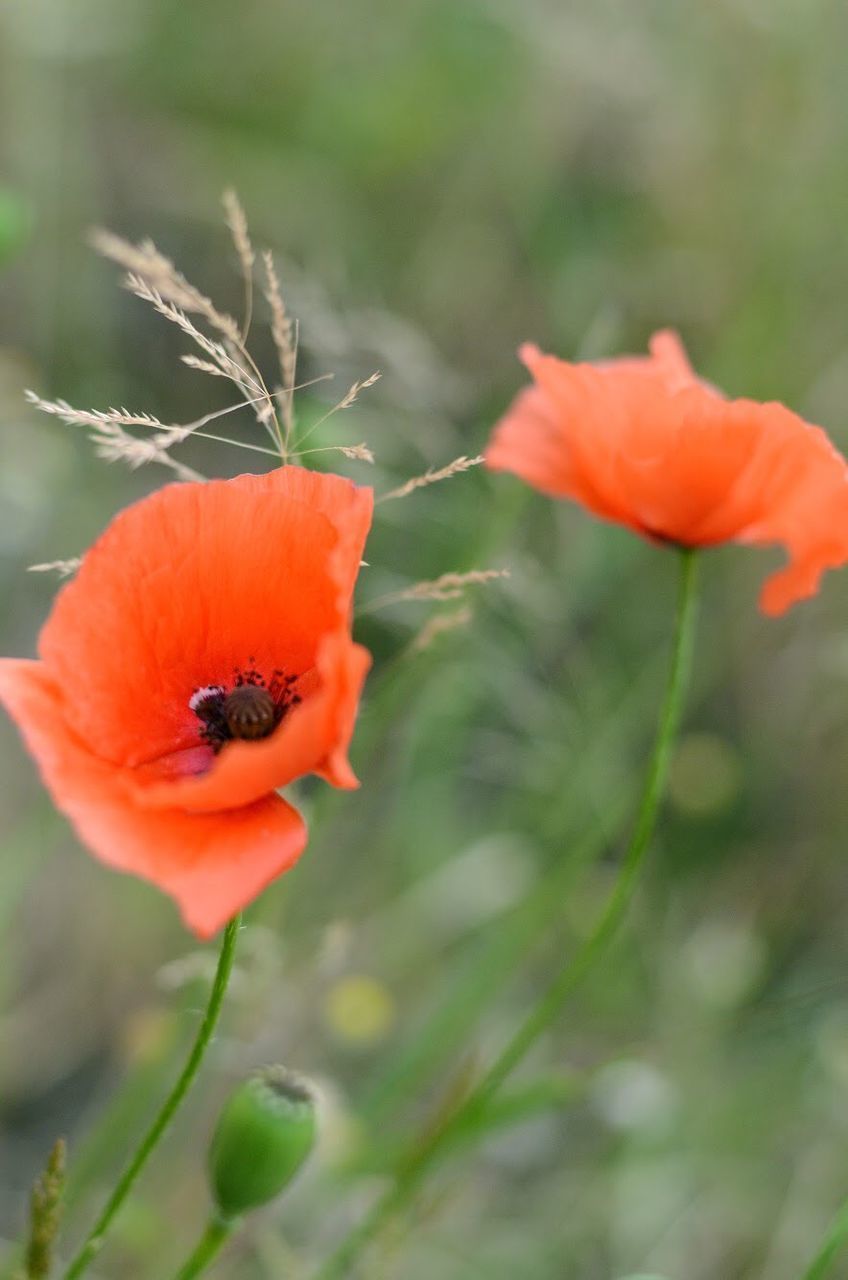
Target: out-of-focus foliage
443,179
14,224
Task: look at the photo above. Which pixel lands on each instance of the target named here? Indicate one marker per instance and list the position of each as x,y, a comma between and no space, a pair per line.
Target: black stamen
249,710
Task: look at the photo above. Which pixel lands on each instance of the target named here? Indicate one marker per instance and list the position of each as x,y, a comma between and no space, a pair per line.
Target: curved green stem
94,1240
835,1238
217,1232
422,1156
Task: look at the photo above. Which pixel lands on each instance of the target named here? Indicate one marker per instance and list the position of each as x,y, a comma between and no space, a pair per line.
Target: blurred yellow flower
359,1009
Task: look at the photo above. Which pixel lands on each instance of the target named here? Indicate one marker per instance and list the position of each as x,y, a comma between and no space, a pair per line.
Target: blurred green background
441,180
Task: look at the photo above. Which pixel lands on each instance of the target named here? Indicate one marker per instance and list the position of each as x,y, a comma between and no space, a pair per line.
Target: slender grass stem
93,1242
423,1155
834,1240
217,1232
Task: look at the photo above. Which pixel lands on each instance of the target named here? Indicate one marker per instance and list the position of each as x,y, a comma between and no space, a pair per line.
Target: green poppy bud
265,1132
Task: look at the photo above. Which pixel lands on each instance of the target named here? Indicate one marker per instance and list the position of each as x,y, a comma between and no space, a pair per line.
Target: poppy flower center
250,712
250,709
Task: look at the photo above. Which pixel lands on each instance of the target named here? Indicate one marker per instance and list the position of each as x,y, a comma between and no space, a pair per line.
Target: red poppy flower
201,659
643,442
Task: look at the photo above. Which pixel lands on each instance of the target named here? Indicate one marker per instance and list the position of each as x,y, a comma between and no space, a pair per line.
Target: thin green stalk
94,1240
218,1231
835,1238
422,1156
45,1215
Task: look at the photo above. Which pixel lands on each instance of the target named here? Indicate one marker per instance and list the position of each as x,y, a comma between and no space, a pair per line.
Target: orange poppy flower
643,442
201,659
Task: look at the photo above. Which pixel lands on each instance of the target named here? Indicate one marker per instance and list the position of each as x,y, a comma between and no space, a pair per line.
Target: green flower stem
413,1171
94,1240
217,1232
835,1238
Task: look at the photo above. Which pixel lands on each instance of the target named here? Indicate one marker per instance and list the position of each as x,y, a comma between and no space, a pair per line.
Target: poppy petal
211,864
347,506
643,442
528,442
313,738
192,583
